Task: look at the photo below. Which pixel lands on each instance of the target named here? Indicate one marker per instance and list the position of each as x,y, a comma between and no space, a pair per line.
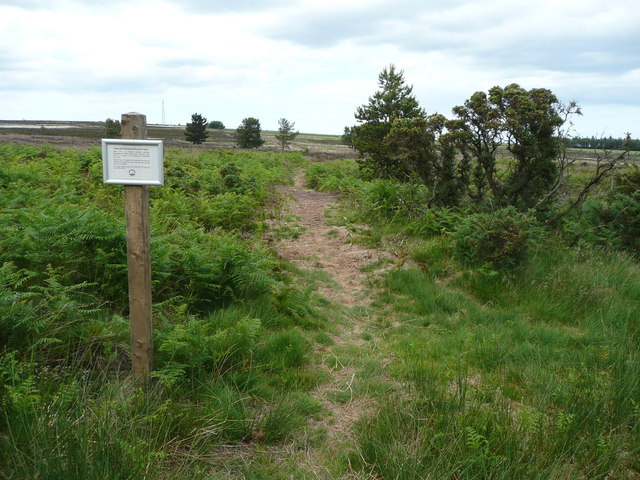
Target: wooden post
134,127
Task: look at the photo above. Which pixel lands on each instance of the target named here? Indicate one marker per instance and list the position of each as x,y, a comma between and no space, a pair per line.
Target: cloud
499,34
312,62
227,6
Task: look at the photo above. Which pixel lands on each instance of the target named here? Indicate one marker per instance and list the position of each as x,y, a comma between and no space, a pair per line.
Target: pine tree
285,133
196,131
248,133
392,102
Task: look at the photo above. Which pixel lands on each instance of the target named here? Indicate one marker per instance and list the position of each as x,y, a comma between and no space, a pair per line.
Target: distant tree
603,143
196,131
285,133
112,128
393,101
248,133
216,125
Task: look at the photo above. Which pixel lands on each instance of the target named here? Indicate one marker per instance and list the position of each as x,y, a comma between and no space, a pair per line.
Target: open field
87,134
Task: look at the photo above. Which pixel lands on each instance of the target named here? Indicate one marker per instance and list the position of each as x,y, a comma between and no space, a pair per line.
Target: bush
615,223
502,239
112,128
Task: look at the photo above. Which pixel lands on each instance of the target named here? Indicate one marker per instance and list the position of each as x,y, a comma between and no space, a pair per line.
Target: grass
523,373
455,370
523,380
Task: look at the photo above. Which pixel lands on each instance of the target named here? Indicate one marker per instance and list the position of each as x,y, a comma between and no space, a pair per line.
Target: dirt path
326,247
332,250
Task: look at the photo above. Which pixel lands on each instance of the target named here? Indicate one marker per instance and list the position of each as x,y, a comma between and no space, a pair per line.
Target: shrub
502,239
112,128
616,222
388,198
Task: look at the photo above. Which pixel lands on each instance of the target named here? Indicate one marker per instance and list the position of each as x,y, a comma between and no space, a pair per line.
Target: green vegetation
248,133
196,131
517,353
605,143
216,125
498,345
112,128
394,101
285,134
230,326
458,159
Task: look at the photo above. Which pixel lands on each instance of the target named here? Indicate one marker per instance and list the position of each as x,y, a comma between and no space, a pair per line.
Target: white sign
133,162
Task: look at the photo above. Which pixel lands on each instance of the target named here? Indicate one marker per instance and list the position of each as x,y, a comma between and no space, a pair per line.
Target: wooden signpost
136,163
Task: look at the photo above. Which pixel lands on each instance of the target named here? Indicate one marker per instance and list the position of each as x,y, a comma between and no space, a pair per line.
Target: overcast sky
312,62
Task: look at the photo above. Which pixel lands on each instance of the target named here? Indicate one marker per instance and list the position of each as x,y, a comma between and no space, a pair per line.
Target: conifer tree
196,131
285,133
248,133
394,101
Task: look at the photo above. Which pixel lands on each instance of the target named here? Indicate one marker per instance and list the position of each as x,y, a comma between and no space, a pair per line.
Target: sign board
133,162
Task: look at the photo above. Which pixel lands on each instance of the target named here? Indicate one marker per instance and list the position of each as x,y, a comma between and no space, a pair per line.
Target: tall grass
534,374
519,354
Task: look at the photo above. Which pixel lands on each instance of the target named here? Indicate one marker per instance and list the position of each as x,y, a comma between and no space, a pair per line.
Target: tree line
247,135
605,143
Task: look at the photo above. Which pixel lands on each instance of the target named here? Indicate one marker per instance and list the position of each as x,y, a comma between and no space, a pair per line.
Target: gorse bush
614,222
502,239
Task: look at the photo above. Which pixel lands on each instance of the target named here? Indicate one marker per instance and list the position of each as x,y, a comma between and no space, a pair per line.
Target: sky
312,62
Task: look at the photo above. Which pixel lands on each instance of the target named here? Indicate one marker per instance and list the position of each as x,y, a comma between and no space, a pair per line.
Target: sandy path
326,247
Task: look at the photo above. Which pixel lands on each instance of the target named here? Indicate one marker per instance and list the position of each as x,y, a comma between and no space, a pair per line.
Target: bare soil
326,247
